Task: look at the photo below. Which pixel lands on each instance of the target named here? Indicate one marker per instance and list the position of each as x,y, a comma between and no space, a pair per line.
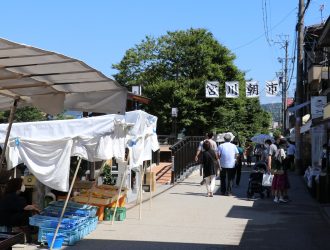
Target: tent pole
65,204
11,119
151,183
141,181
117,201
142,177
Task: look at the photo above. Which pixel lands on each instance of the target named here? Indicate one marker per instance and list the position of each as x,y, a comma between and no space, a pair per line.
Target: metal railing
167,139
183,155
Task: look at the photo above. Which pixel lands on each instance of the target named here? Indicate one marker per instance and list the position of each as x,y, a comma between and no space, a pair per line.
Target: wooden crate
92,200
83,184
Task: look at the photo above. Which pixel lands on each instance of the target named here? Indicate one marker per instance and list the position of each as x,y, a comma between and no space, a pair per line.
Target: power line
272,28
265,20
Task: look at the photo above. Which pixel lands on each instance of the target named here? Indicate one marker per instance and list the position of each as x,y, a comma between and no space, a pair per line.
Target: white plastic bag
267,179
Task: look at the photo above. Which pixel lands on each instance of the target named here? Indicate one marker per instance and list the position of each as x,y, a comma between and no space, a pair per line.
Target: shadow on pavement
297,224
190,193
145,245
294,225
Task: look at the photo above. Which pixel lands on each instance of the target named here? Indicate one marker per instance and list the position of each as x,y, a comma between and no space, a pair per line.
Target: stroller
255,181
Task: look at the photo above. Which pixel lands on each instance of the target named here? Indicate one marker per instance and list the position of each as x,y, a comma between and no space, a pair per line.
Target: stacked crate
79,220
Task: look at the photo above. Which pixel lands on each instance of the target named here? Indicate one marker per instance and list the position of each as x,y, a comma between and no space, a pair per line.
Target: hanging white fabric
142,137
48,162
93,139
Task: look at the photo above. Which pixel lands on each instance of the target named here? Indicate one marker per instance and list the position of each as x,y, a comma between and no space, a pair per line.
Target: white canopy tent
46,147
54,82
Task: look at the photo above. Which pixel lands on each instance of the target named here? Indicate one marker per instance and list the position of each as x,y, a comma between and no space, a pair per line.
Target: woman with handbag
280,180
209,158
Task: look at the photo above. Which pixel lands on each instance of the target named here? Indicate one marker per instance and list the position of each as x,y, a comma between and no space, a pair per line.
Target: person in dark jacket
239,160
14,210
209,160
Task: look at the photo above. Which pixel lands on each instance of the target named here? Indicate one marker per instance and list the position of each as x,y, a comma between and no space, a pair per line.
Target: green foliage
277,133
30,114
173,70
275,109
108,178
24,114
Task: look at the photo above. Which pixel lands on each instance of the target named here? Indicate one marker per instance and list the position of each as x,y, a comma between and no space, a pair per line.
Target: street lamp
174,114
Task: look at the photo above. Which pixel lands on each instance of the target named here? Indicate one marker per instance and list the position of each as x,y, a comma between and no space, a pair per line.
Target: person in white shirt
290,152
228,154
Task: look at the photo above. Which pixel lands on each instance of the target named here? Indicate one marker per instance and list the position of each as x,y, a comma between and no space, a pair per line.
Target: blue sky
99,32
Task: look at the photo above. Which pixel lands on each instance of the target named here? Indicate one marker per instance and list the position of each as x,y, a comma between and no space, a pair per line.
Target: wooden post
151,183
65,204
140,186
121,186
141,183
10,123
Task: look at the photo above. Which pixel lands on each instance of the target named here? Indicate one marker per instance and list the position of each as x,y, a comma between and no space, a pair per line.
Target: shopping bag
267,179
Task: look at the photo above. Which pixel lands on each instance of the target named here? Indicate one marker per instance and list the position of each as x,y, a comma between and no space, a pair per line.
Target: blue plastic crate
56,211
39,220
71,204
71,236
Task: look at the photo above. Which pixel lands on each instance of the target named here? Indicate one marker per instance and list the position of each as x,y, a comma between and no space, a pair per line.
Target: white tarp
46,147
142,137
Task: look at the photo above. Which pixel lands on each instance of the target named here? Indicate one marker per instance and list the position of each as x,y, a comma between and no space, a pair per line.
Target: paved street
183,218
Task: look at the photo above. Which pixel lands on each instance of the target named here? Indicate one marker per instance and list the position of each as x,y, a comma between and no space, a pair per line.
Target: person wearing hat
228,154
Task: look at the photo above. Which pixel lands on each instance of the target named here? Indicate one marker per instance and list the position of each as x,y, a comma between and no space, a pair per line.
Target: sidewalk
183,218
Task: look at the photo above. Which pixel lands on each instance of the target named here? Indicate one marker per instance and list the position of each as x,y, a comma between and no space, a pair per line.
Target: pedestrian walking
228,153
248,153
239,162
258,152
213,146
291,150
209,161
323,157
275,164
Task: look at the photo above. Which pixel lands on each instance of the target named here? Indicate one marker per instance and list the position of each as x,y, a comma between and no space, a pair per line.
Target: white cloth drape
48,162
46,147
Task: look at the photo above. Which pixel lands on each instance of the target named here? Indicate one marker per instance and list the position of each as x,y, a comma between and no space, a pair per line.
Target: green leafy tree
24,114
173,70
30,114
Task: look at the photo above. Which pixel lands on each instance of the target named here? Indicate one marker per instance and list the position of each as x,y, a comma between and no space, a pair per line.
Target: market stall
46,147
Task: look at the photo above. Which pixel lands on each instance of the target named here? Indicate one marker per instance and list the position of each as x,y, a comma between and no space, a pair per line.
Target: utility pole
299,89
284,83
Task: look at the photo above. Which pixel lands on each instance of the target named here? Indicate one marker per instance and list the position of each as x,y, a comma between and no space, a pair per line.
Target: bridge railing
167,139
183,155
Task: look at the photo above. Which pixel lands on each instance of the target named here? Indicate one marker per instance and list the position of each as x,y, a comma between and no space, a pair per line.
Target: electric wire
272,28
293,61
265,20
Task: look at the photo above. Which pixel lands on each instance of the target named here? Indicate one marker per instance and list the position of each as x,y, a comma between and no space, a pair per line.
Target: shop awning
54,82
